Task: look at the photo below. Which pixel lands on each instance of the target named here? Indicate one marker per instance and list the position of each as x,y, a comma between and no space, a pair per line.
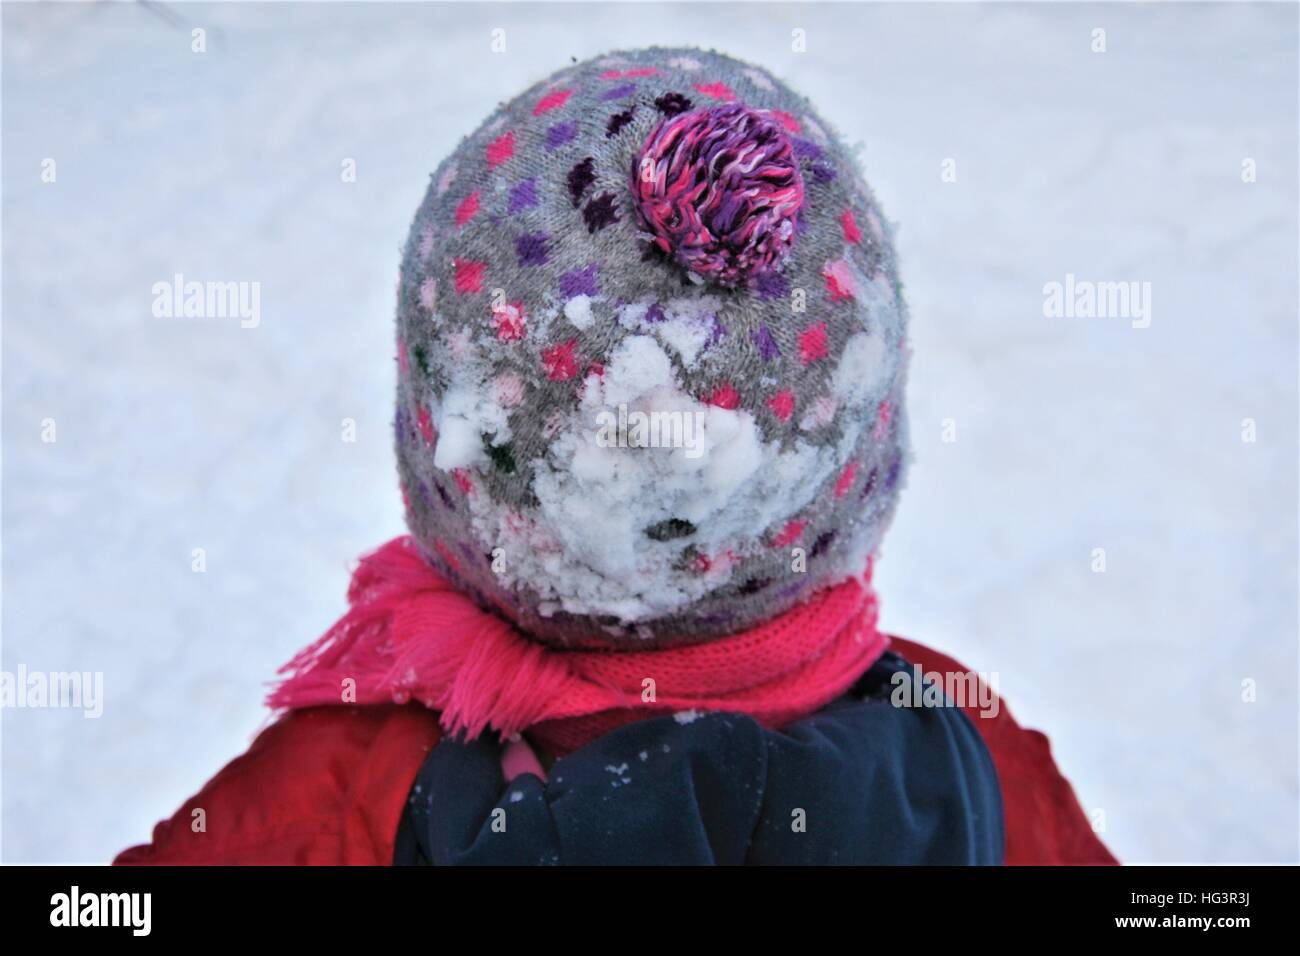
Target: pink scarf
410,635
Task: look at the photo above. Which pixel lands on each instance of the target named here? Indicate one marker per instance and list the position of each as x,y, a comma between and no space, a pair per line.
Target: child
650,431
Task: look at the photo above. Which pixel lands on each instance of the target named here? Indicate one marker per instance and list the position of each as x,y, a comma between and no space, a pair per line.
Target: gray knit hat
652,350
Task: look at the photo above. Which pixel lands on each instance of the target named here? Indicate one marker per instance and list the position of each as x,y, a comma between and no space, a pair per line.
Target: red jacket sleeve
1044,822
325,785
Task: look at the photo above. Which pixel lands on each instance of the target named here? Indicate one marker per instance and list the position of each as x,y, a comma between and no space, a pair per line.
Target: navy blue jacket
860,782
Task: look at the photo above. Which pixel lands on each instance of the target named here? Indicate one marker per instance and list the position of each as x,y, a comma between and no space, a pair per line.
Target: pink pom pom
719,190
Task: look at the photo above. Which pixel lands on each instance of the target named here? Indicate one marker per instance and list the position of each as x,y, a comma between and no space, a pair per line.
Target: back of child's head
652,354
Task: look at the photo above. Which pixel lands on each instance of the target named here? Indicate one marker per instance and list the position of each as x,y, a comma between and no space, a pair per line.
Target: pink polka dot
782,404
718,91
501,149
552,101
510,321
791,533
509,389
812,343
883,414
850,226
845,481
725,396
629,74
559,361
429,294
467,209
425,421
788,121
839,281
469,275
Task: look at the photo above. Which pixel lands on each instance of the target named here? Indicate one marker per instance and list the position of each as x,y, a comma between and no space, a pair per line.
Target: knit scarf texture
410,635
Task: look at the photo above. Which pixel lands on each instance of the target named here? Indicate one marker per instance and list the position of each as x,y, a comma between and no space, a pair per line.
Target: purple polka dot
891,479
771,285
523,196
532,249
618,92
580,282
767,346
821,544
561,133
807,150
870,484
716,330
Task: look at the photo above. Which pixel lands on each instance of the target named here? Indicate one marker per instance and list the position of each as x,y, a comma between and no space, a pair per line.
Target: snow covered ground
1072,434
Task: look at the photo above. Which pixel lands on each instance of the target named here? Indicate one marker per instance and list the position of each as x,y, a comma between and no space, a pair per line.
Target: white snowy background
1072,434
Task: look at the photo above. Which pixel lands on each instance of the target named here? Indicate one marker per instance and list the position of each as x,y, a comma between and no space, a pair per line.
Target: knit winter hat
651,346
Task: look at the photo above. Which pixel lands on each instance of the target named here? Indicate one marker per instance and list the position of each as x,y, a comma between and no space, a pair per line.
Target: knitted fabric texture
411,635
651,350
719,190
